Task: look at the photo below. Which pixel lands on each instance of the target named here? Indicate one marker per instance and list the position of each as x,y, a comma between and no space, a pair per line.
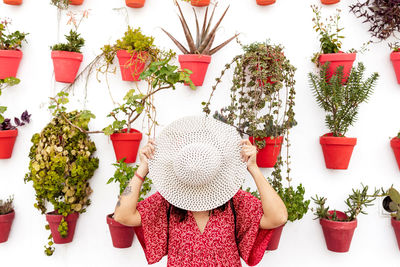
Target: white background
287,22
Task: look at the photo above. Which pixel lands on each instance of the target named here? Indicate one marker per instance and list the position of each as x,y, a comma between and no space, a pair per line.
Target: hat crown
197,164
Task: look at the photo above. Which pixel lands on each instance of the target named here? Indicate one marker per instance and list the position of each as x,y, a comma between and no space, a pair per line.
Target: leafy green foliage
5,83
62,163
10,40
394,205
124,173
341,101
6,206
74,44
356,203
61,4
262,92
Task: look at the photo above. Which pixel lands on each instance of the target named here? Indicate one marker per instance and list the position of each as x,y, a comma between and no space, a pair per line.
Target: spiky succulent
204,38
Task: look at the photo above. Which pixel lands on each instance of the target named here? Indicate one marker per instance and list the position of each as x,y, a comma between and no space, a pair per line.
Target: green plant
262,93
341,101
74,44
395,47
62,163
394,204
204,38
5,83
6,206
10,40
356,203
124,173
61,4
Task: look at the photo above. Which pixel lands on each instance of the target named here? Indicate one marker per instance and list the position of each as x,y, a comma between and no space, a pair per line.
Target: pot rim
9,217
333,140
9,133
66,55
132,135
194,58
337,57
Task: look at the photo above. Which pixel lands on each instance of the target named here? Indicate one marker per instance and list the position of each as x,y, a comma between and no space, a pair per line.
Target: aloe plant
204,38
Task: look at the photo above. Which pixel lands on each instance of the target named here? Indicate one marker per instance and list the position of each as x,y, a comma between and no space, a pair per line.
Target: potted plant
64,4
121,235
67,57
341,103
262,98
198,56
7,215
160,75
135,3
329,2
392,205
265,2
61,164
13,2
395,144
10,53
395,58
338,227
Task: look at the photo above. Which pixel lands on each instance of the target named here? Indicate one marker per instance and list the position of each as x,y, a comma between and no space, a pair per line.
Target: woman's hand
249,153
146,153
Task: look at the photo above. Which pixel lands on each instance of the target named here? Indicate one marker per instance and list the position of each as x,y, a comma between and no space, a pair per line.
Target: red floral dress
217,246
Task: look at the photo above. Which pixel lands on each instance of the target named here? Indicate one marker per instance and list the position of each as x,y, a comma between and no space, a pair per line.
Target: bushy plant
356,204
204,38
10,40
61,164
6,206
341,101
74,43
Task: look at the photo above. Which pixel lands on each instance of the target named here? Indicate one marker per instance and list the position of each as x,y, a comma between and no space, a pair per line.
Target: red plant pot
121,235
135,3
198,64
329,2
66,65
140,236
396,228
9,63
54,221
126,145
13,2
338,59
6,221
395,144
200,2
337,151
131,65
275,238
395,58
7,141
338,235
267,156
76,2
265,2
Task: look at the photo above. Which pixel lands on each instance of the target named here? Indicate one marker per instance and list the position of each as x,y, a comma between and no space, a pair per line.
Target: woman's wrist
252,168
142,170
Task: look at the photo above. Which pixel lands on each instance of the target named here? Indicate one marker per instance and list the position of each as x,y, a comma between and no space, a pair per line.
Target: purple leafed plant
383,16
8,125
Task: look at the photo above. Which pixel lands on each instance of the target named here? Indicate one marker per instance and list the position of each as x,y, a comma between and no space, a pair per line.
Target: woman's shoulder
155,199
244,198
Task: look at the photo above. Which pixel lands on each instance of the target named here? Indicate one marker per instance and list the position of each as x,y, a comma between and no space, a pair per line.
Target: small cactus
394,204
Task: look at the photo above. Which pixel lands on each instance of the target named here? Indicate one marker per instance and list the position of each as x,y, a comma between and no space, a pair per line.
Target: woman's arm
125,210
275,212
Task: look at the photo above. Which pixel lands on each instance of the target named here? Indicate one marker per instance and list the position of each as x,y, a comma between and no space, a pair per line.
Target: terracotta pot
66,65
265,2
135,3
275,238
338,59
338,235
337,151
198,64
6,221
54,221
9,63
329,2
126,145
200,2
7,141
140,236
131,65
395,144
395,58
396,228
13,2
121,235
267,156
76,2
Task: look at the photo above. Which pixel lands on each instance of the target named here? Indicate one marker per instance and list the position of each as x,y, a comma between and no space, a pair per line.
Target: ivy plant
6,206
341,101
61,164
10,40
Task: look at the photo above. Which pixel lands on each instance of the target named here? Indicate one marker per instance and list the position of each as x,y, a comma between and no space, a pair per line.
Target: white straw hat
197,164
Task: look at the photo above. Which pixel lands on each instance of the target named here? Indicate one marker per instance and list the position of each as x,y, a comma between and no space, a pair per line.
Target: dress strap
234,218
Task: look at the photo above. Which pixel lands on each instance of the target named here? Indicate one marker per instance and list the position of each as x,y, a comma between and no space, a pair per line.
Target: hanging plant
262,98
338,227
382,15
7,215
61,165
197,56
341,103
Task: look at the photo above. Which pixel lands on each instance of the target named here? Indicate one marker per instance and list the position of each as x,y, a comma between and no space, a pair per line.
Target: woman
199,216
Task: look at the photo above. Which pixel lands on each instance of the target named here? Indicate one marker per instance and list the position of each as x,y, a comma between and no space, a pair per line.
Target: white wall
287,22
